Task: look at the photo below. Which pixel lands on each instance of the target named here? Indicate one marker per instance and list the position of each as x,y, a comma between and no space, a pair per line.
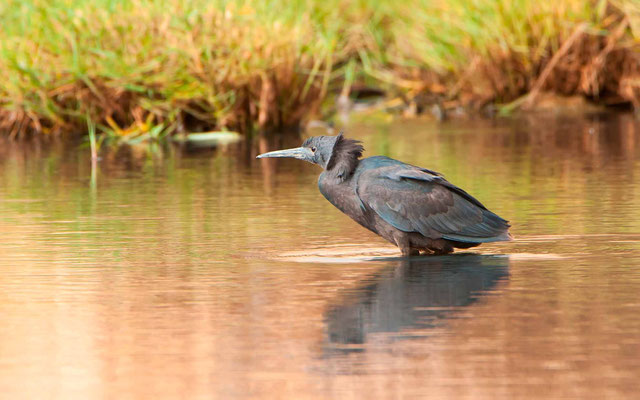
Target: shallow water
171,274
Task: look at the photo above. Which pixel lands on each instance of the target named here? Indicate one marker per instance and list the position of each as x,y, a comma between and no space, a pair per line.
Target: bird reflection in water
412,295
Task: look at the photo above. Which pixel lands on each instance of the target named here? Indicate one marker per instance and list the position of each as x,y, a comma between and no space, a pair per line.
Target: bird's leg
440,248
441,252
402,241
409,252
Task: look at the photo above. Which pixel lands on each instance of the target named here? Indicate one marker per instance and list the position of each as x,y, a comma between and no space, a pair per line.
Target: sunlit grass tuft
125,63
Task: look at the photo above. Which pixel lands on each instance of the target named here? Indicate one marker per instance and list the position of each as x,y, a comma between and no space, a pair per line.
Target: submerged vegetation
150,68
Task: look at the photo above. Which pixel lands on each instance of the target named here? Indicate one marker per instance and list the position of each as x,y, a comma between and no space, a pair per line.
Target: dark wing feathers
417,200
427,175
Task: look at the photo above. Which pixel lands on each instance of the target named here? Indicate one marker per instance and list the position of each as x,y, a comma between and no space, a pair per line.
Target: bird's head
321,150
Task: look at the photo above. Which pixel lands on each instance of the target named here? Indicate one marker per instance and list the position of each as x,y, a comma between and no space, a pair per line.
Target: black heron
415,208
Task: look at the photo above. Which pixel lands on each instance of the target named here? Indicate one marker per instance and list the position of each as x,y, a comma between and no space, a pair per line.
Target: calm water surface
171,274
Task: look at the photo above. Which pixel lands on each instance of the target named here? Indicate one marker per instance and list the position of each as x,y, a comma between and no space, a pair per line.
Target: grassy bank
162,66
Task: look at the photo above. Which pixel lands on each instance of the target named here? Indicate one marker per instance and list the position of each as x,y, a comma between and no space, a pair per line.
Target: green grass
131,66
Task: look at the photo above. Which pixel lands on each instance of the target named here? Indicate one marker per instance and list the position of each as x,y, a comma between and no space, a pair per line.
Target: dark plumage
414,208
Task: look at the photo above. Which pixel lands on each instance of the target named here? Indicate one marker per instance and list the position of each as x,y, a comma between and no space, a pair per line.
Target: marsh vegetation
153,68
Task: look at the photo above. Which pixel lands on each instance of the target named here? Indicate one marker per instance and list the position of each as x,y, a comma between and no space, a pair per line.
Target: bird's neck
343,166
344,158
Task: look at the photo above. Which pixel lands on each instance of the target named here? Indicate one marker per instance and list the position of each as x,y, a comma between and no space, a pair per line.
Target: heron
414,208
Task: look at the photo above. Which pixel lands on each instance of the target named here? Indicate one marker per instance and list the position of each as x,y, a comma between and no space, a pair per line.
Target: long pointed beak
301,153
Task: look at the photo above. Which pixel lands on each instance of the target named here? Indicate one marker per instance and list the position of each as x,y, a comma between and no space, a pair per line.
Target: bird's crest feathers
345,155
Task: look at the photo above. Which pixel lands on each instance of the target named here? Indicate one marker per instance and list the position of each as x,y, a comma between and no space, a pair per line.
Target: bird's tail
491,229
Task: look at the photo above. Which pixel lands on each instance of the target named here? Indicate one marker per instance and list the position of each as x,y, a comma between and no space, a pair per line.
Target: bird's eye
313,149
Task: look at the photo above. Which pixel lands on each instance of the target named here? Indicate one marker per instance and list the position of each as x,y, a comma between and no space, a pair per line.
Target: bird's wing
416,200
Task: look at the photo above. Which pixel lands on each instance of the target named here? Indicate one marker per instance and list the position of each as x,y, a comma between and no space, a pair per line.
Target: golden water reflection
208,275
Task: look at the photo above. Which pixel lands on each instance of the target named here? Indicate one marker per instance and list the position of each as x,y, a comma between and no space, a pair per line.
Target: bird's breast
343,196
